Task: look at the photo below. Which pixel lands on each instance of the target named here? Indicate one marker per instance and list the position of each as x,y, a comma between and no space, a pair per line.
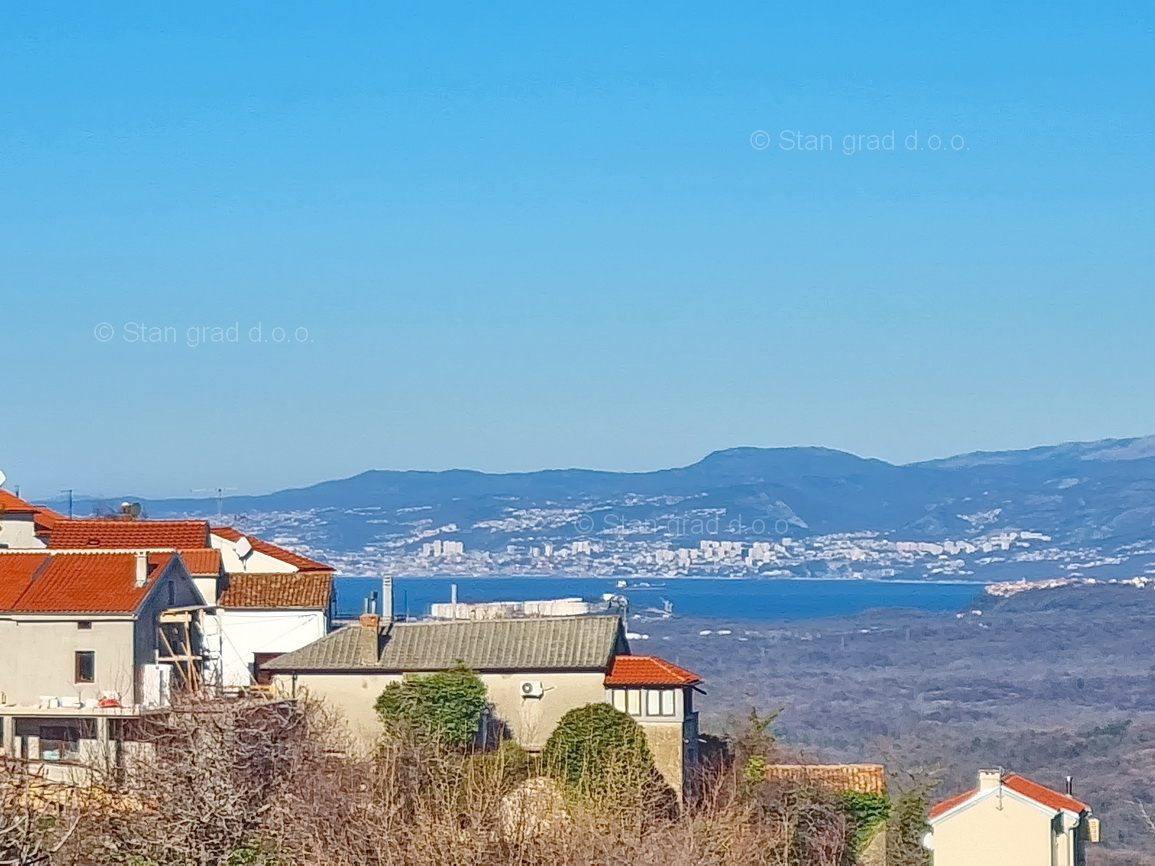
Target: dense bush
867,813
589,739
448,705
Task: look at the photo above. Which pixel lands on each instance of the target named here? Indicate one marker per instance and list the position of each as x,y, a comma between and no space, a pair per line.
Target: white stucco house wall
24,526
271,601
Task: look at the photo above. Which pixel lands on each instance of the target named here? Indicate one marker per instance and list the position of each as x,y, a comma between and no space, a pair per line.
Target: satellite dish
243,547
3,478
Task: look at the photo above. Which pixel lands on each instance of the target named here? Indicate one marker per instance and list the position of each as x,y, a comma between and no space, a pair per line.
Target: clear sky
548,235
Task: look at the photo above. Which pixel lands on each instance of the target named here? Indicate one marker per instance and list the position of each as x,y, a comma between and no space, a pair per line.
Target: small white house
272,601
24,526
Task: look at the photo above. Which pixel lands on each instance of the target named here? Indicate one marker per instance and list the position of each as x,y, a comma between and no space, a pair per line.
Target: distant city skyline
261,249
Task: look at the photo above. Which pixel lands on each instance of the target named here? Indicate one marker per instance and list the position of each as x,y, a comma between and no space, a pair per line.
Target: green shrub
447,705
867,812
596,748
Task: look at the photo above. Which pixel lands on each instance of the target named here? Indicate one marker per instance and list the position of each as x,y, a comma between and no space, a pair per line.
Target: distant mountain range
1086,508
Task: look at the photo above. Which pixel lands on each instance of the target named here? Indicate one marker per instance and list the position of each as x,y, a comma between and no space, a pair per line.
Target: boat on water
640,584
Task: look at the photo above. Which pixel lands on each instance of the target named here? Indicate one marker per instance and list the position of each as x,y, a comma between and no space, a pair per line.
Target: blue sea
738,598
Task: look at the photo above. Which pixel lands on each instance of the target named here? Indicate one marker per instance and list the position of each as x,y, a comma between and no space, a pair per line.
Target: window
653,702
59,743
627,701
84,624
85,666
660,702
634,702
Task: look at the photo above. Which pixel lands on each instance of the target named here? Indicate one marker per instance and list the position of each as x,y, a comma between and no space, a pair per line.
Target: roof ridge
1055,799
1065,801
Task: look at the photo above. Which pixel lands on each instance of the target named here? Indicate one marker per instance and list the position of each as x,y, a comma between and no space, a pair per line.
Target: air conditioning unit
532,689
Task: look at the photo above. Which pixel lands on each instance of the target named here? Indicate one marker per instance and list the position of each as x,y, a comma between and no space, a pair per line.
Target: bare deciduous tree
36,817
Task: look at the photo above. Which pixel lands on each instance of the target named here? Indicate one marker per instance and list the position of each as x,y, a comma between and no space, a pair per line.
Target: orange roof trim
648,671
43,516
13,503
47,519
1022,785
301,563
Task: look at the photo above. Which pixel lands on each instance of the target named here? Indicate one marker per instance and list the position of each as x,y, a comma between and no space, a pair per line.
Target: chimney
387,598
453,598
1070,786
367,639
990,779
141,569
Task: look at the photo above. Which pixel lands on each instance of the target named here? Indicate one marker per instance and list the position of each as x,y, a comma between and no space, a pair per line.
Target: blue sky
542,236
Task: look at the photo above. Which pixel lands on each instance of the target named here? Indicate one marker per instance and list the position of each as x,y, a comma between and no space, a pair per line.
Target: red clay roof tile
950,802
16,570
46,519
13,503
648,671
295,589
202,561
1042,794
48,582
126,534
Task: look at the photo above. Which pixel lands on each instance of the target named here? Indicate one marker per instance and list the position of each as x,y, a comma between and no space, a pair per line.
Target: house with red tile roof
259,556
1008,818
273,601
24,525
89,638
268,599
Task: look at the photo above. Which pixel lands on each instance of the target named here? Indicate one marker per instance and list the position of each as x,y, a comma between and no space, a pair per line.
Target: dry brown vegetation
256,783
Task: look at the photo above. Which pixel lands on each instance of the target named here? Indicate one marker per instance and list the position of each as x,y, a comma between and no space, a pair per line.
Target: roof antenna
220,492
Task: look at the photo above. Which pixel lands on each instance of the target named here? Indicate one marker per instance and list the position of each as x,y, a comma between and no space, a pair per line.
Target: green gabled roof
547,643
